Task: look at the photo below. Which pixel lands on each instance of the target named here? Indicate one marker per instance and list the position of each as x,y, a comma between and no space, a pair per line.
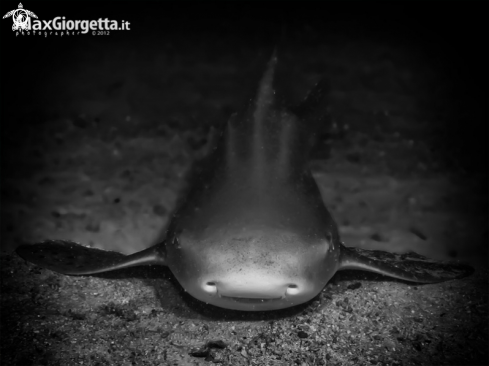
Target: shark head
254,250
252,267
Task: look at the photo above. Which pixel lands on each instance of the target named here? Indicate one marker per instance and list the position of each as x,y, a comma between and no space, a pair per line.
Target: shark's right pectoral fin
71,258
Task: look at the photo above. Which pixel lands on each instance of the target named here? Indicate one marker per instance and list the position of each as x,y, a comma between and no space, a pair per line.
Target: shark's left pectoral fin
409,267
71,258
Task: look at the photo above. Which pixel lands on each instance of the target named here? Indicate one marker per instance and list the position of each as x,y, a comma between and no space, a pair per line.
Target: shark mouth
250,300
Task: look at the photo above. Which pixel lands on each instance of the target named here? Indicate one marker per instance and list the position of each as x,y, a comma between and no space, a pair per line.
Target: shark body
253,232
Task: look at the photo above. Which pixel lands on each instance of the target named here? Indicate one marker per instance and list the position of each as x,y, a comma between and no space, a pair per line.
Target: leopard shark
252,233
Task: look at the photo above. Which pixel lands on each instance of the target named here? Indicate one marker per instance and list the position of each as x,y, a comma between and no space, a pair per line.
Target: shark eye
330,241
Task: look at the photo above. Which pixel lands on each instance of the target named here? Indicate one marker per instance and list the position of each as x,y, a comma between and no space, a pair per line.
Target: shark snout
252,292
250,289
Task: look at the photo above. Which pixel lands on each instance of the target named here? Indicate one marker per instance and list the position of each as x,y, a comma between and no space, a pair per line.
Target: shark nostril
210,287
292,289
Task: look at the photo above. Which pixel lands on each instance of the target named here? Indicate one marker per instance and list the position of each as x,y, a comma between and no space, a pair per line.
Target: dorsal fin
270,140
261,116
265,95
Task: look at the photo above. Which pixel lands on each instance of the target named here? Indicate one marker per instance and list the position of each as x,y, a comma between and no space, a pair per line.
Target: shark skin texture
253,233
